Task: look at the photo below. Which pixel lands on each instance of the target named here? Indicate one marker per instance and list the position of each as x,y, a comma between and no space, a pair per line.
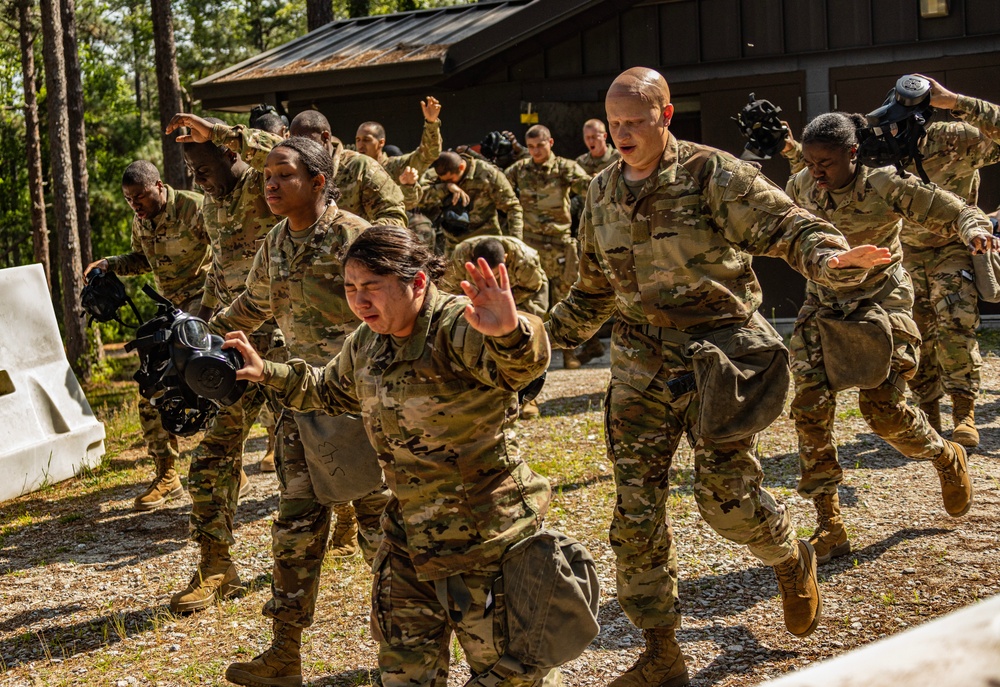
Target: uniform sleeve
531,292
300,386
134,262
252,308
506,201
984,149
252,145
429,149
794,157
508,362
591,300
381,197
210,298
761,219
579,180
932,207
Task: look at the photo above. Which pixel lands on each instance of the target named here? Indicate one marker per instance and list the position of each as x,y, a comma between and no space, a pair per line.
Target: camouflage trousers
300,533
643,429
160,443
561,262
946,310
884,408
214,479
414,629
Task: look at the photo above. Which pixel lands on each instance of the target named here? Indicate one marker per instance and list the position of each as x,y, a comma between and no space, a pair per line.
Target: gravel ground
85,581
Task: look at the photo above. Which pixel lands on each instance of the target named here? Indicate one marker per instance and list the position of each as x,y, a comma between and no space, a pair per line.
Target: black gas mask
760,123
498,149
104,295
183,370
895,129
455,219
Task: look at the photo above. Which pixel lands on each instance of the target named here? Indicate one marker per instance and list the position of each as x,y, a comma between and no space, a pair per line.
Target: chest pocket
678,233
322,285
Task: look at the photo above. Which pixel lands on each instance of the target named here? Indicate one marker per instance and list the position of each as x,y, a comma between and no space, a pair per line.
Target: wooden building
492,62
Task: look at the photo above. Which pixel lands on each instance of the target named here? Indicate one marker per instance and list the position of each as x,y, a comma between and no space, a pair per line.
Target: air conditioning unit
929,9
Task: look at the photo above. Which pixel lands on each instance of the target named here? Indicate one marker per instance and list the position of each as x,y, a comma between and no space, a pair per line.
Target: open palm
492,311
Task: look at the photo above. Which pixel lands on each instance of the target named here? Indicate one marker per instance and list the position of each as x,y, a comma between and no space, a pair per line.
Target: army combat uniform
672,256
299,281
489,192
592,165
544,192
366,189
439,408
946,305
175,248
421,158
528,282
870,210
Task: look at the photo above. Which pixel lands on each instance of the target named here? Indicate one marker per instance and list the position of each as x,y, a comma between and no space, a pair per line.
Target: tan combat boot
165,486
279,666
244,485
590,350
830,538
570,361
344,540
956,487
800,590
267,462
964,412
661,664
215,579
530,410
932,409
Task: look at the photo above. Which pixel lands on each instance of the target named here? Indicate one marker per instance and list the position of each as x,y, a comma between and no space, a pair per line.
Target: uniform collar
413,348
665,173
320,229
548,164
169,212
857,190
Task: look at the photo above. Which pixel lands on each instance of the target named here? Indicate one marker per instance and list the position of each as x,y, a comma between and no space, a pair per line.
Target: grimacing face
367,143
832,167
596,140
146,201
383,301
211,171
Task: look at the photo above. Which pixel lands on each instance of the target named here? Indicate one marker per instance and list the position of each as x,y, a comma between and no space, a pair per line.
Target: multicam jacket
679,255
873,212
592,165
528,281
173,246
366,189
421,158
301,286
954,151
238,222
439,407
544,192
489,191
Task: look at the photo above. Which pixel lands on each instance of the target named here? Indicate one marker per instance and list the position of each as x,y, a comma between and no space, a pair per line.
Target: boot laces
790,577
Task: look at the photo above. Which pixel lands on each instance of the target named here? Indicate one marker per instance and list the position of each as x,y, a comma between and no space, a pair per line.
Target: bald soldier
599,154
366,189
668,233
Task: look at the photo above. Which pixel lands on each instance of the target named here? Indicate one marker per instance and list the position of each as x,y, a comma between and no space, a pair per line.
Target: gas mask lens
194,334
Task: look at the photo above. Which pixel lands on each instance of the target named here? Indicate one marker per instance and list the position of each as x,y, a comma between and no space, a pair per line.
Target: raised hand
200,130
253,364
431,108
492,311
866,257
941,97
408,177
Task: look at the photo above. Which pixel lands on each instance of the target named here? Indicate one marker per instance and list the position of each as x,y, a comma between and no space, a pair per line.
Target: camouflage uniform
302,286
489,191
871,212
236,225
421,158
366,189
592,165
945,304
794,157
175,248
544,191
678,257
527,278
440,408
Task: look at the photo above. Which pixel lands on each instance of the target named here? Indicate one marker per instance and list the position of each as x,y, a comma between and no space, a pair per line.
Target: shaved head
595,124
642,82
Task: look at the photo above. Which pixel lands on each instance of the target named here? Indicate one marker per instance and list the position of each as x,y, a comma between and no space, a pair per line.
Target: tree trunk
169,88
63,193
36,187
77,129
318,13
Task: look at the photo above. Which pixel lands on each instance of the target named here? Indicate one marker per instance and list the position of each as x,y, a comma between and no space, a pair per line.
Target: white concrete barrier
961,649
47,430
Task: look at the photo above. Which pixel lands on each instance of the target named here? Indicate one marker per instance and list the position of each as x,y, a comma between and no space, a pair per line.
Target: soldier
484,190
544,184
461,492
668,233
169,240
524,268
868,206
599,154
297,278
236,219
366,190
370,141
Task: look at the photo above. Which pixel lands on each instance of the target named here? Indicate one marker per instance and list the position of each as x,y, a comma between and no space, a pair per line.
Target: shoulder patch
735,177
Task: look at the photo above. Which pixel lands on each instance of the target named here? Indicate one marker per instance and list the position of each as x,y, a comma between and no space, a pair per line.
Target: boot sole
153,505
241,677
225,591
836,552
